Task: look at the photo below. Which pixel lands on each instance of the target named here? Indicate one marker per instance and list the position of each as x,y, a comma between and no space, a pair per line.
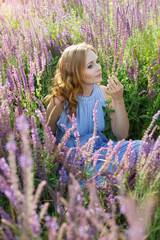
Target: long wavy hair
69,75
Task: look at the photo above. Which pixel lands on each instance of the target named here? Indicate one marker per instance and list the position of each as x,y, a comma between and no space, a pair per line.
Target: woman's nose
98,67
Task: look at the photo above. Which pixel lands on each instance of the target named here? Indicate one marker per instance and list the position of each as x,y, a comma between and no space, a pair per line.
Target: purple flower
5,168
115,54
17,79
25,160
31,83
34,133
5,216
156,115
22,124
143,91
35,226
10,80
22,70
49,139
51,222
11,145
52,226
63,175
7,189
122,51
19,104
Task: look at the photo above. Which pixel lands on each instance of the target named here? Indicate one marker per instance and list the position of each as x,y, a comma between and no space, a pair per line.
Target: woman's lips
99,75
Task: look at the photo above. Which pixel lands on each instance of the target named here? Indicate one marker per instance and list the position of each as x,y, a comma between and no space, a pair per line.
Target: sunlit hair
69,75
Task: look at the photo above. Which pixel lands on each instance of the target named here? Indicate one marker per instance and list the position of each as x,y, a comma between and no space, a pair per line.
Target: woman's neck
87,90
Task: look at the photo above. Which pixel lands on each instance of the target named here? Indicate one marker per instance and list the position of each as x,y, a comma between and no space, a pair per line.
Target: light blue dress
85,126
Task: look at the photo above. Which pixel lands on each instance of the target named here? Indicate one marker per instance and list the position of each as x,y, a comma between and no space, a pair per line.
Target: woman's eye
90,66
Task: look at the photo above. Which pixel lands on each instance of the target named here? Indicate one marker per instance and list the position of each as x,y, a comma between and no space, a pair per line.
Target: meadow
37,199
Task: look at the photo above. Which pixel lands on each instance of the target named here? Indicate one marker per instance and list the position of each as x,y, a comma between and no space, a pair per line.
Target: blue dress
85,127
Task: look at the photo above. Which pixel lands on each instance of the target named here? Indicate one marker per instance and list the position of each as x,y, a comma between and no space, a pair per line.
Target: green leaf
110,111
144,116
156,228
107,127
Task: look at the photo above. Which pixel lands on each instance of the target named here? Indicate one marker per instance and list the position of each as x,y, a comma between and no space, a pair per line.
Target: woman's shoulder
55,105
58,100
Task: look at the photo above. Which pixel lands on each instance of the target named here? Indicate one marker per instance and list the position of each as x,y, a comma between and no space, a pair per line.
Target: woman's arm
119,119
53,113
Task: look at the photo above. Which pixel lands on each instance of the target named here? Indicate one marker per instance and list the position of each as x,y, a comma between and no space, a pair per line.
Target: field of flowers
37,199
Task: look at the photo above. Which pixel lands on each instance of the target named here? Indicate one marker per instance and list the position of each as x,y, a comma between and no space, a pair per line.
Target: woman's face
92,71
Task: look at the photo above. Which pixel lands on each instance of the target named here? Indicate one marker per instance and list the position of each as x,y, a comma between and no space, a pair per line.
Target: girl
76,90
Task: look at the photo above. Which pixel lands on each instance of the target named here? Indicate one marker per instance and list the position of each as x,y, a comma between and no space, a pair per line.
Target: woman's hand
119,119
115,88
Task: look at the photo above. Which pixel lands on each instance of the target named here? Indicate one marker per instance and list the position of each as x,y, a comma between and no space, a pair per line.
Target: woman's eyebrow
91,61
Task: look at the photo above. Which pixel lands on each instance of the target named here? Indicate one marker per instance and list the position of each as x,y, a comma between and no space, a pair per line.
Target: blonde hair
69,74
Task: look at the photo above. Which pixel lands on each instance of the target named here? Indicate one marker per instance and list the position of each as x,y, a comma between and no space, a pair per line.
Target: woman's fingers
114,81
115,88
